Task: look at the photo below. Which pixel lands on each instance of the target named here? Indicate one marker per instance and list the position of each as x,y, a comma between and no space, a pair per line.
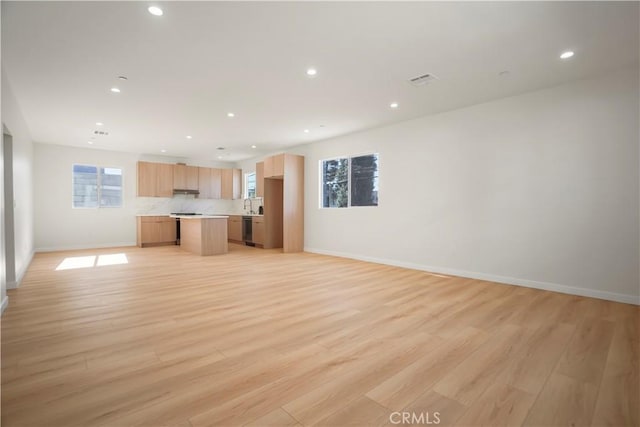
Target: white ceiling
200,60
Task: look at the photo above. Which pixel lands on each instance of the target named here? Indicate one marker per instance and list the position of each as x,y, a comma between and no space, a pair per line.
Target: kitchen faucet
250,205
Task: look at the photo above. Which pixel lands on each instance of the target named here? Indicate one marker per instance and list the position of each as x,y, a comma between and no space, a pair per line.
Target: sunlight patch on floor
90,261
112,259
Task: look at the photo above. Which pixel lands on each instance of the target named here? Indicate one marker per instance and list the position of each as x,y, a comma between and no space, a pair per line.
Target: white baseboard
554,287
5,303
20,275
88,246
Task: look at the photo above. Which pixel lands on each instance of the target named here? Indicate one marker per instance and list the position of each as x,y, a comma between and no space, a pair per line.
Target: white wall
539,190
23,192
58,226
4,301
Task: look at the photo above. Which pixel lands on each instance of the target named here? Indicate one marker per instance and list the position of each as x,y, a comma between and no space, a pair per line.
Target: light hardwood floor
257,337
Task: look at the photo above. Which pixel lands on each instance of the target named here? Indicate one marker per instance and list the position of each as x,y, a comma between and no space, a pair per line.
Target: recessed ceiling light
115,90
90,142
504,73
306,131
155,10
253,146
566,55
189,137
393,105
219,157
123,77
99,123
231,115
312,72
163,151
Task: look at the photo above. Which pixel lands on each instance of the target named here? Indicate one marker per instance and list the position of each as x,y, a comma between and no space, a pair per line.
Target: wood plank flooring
261,338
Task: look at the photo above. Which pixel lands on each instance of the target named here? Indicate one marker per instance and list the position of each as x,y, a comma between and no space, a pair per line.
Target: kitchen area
203,209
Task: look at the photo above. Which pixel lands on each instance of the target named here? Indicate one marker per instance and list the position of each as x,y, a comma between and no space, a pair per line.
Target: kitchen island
203,234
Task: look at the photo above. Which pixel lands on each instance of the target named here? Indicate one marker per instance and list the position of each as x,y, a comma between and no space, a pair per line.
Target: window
364,180
250,185
350,181
95,187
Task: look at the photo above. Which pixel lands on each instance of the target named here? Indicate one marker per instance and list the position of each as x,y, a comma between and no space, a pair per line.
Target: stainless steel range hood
180,191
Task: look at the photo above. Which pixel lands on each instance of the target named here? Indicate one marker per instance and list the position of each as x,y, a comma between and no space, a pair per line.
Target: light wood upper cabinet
231,183
205,183
209,183
185,177
274,166
216,183
160,179
164,180
147,173
237,183
155,179
192,178
226,179
260,179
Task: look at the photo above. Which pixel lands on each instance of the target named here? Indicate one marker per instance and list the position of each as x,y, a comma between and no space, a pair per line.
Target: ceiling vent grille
100,132
422,80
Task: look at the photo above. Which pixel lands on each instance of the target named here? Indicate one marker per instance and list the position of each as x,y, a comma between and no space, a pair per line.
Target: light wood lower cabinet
257,229
156,231
204,236
234,232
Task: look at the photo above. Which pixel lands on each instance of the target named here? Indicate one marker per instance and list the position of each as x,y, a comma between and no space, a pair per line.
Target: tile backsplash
188,203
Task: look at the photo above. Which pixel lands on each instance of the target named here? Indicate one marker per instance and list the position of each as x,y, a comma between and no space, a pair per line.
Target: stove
185,213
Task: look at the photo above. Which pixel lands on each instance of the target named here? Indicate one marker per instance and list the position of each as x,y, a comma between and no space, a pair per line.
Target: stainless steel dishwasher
247,230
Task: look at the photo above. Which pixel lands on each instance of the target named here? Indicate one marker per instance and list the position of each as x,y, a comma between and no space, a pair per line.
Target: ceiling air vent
100,132
422,80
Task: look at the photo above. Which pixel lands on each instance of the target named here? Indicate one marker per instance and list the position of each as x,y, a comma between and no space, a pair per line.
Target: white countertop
199,216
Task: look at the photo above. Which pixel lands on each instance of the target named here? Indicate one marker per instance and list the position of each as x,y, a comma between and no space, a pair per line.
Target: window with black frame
350,181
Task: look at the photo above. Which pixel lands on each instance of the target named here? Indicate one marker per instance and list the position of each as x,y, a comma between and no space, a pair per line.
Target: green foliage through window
351,181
